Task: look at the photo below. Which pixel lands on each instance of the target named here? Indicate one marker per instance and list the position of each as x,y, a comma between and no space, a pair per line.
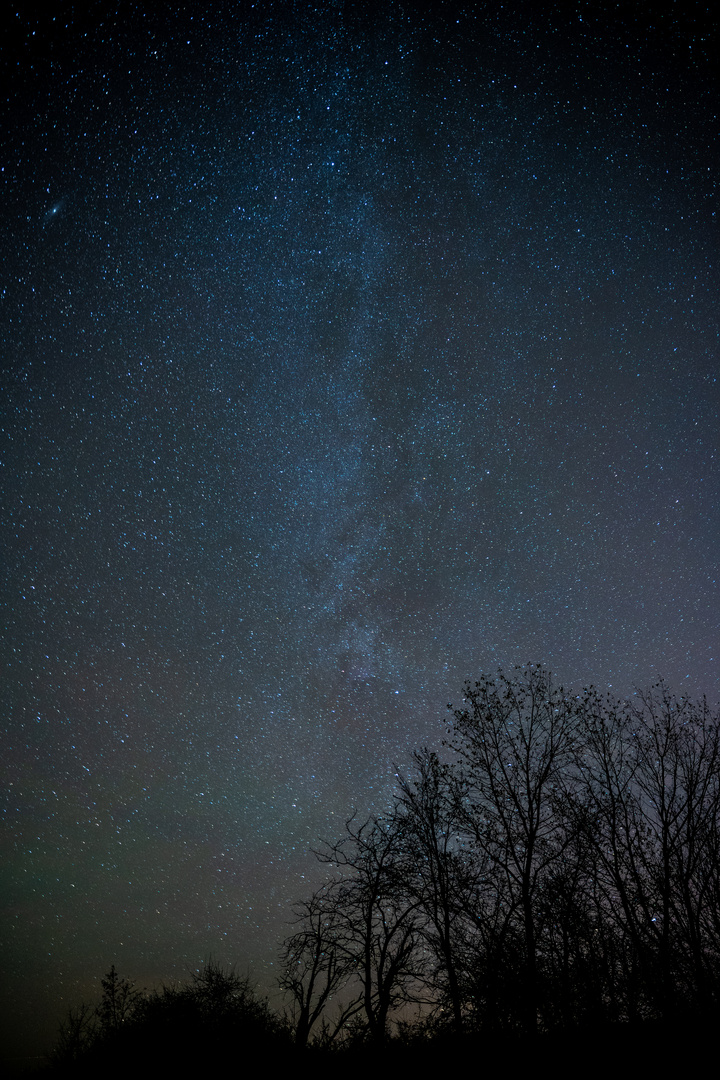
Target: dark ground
651,1050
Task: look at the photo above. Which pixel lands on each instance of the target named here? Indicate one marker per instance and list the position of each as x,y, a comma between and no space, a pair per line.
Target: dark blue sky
344,358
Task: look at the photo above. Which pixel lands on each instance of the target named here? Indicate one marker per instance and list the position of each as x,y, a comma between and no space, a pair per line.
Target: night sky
344,357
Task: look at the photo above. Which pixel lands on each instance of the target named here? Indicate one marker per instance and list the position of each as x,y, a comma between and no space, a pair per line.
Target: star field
344,358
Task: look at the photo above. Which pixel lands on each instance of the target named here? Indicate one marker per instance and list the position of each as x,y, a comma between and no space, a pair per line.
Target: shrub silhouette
216,1017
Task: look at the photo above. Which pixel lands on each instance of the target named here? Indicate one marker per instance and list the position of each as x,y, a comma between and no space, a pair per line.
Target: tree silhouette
515,740
651,787
117,1004
174,1028
75,1036
316,965
561,867
377,923
440,875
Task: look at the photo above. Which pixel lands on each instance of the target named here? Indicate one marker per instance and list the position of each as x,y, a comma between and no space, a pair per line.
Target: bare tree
86,1027
441,872
651,775
378,924
316,966
562,866
515,739
678,778
76,1035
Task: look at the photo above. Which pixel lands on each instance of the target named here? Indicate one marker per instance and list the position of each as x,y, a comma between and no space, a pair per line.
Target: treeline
558,867
555,868
216,1017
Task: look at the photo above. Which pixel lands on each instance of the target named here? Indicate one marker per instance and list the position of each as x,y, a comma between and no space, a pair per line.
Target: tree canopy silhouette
554,864
560,865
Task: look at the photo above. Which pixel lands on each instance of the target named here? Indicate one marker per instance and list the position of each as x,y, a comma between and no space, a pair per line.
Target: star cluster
344,358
